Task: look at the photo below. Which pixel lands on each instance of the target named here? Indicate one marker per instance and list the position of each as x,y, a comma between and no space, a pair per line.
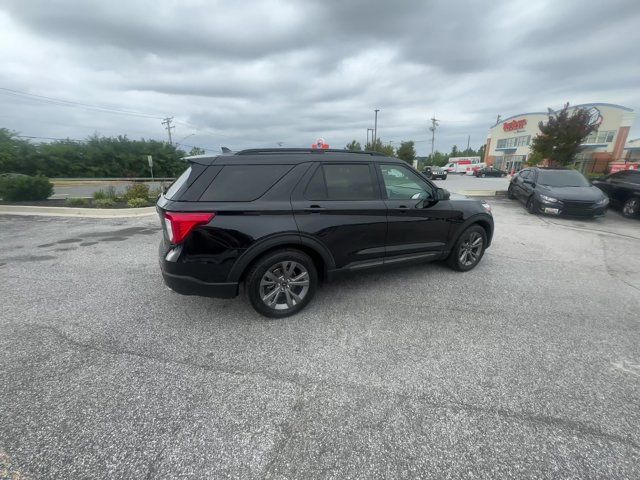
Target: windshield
562,178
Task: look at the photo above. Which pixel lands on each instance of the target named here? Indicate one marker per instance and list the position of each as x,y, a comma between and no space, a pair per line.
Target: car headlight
603,202
548,199
487,207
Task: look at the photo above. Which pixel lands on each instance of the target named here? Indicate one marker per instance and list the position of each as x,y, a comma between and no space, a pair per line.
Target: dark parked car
281,220
489,172
623,189
435,173
557,191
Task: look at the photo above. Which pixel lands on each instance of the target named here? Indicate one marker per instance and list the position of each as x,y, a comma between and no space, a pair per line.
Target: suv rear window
243,183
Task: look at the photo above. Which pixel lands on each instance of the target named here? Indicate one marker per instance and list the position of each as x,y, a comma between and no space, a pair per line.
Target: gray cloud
246,74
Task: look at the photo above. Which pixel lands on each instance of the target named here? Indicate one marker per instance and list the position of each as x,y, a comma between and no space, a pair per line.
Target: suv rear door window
341,182
243,183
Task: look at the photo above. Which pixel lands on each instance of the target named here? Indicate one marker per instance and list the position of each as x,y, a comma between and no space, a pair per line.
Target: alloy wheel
630,207
284,285
470,249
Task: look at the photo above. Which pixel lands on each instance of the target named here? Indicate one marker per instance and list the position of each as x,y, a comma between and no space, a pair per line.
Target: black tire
270,263
631,207
532,206
510,194
483,175
469,235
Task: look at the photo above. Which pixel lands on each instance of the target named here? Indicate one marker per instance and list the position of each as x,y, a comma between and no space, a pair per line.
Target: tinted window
524,174
562,178
175,186
634,178
400,183
243,183
341,182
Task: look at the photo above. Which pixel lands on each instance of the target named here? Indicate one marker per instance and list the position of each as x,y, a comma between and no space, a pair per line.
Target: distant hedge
94,157
24,187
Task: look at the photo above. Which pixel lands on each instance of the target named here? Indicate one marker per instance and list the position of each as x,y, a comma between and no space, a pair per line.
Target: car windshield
562,178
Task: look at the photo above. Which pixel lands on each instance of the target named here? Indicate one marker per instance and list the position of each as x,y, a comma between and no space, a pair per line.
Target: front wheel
532,205
282,283
468,249
631,207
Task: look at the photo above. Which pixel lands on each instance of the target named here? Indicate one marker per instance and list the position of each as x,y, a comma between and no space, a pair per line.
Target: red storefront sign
514,125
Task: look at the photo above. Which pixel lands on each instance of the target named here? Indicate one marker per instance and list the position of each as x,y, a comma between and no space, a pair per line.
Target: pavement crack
153,465
303,382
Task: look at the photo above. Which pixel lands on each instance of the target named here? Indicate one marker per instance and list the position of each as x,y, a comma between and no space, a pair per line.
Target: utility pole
468,141
375,127
167,122
434,124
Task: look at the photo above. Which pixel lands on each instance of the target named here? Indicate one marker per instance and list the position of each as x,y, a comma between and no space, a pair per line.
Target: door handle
314,208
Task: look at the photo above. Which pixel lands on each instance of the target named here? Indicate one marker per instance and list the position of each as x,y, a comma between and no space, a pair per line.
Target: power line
69,103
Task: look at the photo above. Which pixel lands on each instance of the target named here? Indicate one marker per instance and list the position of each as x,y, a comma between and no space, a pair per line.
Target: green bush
137,190
104,203
76,202
110,192
23,187
138,202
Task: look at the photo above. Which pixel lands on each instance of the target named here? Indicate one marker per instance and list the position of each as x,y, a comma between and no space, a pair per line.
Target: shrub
76,202
138,202
110,192
137,190
104,203
155,192
24,187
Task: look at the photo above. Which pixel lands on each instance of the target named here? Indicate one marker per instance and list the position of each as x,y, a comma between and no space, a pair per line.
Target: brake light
180,224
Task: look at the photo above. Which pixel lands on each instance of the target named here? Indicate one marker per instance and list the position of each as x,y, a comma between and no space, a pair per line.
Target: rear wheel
468,249
631,207
483,175
282,283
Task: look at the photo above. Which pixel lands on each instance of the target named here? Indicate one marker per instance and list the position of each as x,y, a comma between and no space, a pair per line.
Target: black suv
281,220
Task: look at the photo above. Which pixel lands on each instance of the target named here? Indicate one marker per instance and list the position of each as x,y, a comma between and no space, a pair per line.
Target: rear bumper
185,285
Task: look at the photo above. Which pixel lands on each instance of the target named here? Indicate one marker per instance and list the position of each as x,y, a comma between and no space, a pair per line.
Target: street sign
150,160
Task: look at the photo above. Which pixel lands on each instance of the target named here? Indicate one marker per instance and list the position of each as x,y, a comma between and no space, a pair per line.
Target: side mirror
442,194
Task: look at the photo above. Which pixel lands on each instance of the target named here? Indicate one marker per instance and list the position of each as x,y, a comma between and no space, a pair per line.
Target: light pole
375,127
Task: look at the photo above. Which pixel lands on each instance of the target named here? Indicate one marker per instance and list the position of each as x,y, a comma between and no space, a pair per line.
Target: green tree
196,151
454,151
407,152
379,147
560,138
438,159
353,146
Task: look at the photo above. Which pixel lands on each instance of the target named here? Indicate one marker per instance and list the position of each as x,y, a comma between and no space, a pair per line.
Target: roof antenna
226,150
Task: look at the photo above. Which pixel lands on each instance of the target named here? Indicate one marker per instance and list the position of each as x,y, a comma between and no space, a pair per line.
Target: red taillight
180,224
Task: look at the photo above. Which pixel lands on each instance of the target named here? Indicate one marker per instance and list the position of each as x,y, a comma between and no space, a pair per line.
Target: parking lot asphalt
526,367
465,183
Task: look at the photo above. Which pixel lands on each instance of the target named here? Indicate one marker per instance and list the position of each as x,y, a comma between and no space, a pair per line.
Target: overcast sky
254,73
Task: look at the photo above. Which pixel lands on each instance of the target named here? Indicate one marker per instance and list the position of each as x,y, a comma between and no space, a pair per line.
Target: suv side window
344,181
401,183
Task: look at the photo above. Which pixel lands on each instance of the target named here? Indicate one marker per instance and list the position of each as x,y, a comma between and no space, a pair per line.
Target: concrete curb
484,193
76,212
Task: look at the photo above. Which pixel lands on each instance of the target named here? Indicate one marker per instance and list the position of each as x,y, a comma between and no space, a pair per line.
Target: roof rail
268,151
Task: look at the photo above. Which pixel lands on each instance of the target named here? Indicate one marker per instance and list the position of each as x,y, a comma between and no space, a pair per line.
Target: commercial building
509,141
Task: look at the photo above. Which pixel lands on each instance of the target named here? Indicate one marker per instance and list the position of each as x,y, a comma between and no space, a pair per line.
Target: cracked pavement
526,367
